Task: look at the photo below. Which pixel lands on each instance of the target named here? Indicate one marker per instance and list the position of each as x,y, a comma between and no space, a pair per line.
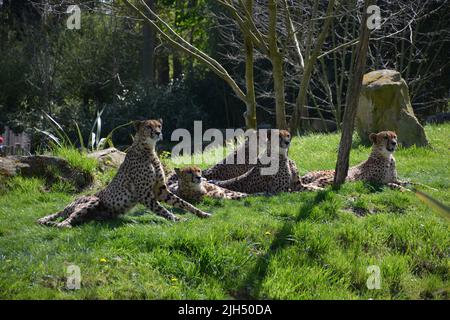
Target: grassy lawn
290,246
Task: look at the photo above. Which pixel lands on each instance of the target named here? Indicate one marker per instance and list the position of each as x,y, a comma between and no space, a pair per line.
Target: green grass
76,159
290,246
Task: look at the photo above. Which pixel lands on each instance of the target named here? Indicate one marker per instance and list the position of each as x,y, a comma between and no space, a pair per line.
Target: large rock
108,158
384,104
51,169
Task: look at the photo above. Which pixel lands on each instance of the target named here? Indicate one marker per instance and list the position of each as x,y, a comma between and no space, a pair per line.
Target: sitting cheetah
379,168
231,167
285,179
190,185
140,179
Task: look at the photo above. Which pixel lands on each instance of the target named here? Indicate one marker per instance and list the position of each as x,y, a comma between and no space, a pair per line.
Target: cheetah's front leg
397,186
165,195
157,208
65,213
50,219
84,209
298,186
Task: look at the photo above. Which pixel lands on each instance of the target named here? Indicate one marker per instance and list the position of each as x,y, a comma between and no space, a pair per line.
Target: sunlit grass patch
312,245
76,159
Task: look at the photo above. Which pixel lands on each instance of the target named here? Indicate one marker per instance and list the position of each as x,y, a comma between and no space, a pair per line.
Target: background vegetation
116,64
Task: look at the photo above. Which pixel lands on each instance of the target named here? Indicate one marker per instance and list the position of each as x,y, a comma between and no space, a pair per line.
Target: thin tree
348,124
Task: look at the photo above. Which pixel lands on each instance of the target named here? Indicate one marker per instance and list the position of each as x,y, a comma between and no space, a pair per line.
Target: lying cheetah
379,168
140,179
285,179
191,186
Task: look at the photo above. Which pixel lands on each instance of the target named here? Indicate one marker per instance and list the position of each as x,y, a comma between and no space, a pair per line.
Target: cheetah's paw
203,214
64,224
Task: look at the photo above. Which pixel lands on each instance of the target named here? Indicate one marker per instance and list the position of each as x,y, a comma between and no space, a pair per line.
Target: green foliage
152,103
60,139
74,74
76,158
290,246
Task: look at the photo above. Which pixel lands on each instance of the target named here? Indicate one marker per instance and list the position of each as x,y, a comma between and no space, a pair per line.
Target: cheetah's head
189,176
284,140
384,142
149,131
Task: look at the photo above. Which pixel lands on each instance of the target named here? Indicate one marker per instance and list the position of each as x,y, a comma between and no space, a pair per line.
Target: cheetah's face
189,175
285,139
385,141
149,130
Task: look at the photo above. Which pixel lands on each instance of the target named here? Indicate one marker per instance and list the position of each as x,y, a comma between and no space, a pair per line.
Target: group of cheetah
141,178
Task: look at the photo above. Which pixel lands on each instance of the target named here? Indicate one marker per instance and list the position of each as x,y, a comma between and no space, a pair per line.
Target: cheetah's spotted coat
284,180
190,185
379,168
140,179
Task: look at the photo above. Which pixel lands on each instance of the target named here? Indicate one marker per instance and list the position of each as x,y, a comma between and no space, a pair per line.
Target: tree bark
250,113
177,66
163,69
277,67
358,68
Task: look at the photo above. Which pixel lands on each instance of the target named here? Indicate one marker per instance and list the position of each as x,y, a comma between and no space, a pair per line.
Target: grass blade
80,136
59,131
50,135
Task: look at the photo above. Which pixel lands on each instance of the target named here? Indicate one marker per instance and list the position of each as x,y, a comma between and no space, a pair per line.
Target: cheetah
140,179
191,186
230,166
379,168
286,179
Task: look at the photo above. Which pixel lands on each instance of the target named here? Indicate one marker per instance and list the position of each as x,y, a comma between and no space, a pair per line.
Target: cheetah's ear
373,137
177,171
160,121
137,124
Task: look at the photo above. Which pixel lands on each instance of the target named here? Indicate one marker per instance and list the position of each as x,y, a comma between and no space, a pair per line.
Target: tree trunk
301,112
250,113
177,66
277,67
148,52
348,123
163,69
278,84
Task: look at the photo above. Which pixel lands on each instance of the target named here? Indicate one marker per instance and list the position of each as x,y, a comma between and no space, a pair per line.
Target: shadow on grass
373,187
251,286
135,217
